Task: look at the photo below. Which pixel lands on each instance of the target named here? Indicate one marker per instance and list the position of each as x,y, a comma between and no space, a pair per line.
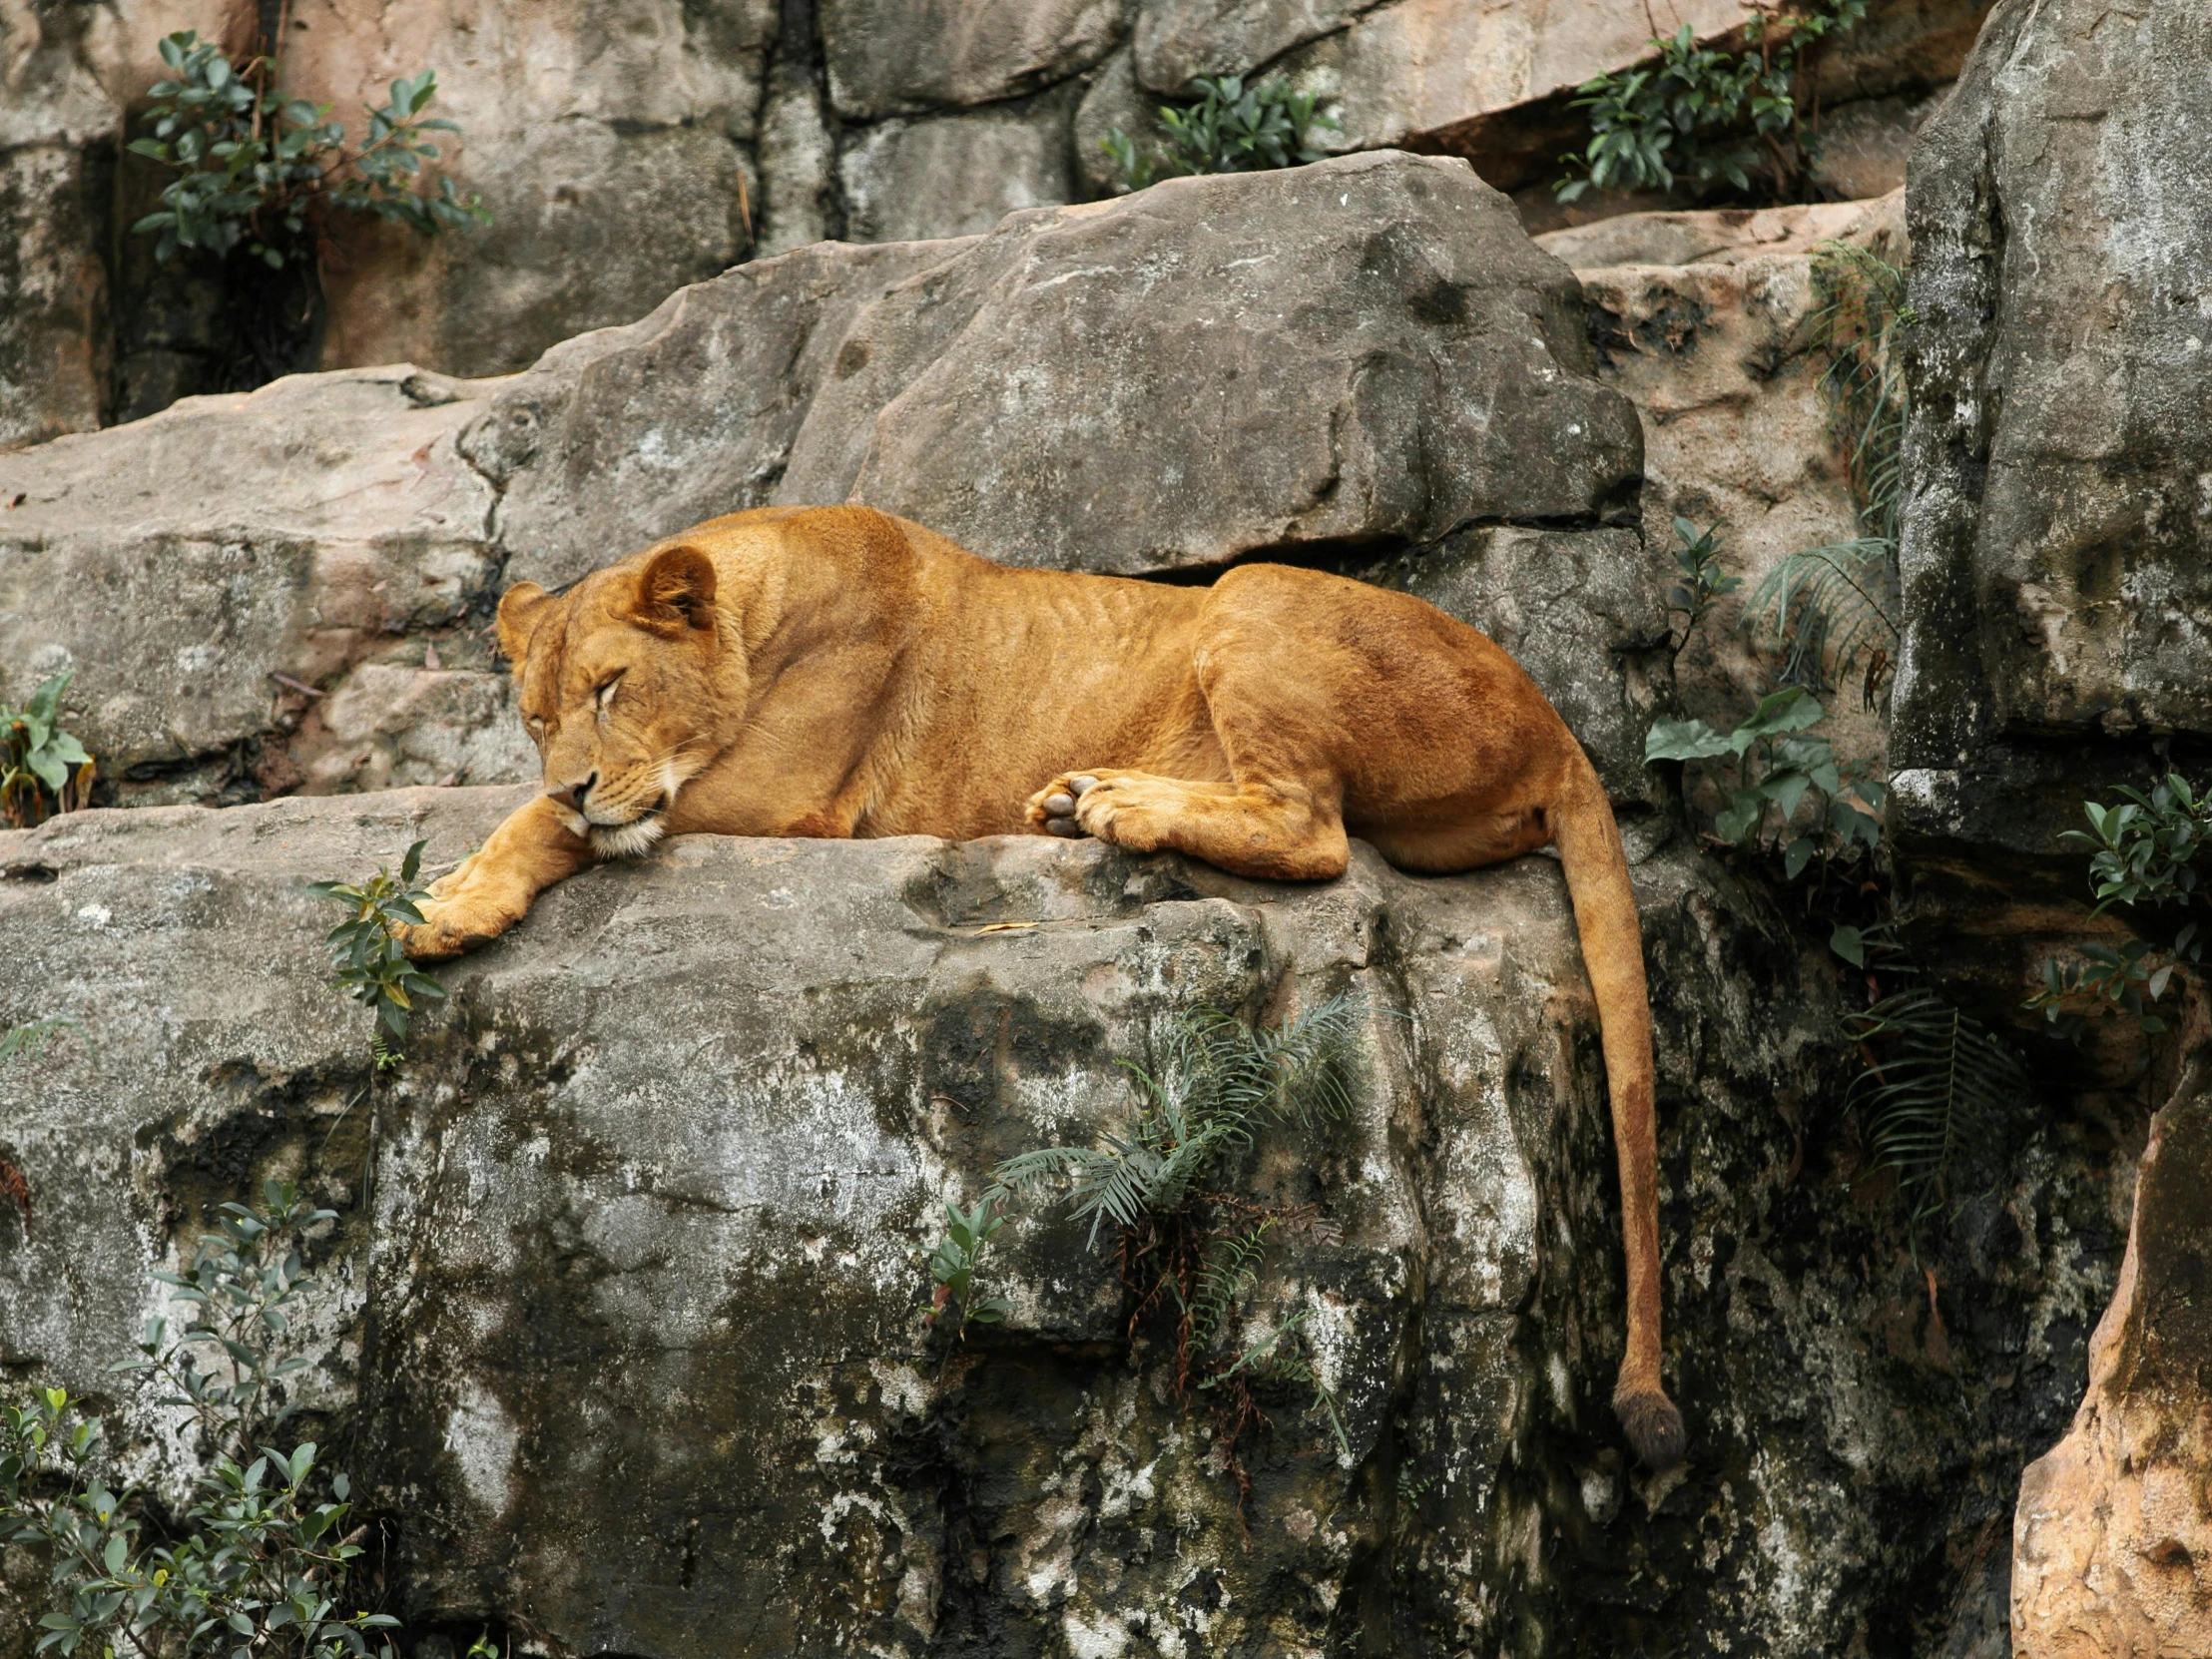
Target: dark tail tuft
1654,1428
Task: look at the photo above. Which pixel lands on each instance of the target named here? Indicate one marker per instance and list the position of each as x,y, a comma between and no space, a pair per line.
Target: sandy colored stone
1712,341
2112,1542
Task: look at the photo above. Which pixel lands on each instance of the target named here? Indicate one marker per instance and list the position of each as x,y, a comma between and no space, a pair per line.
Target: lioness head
619,690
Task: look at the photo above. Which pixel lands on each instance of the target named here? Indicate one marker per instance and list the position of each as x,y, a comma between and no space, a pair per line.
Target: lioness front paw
450,926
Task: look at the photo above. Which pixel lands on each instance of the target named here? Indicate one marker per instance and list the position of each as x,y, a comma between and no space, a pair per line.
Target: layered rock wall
628,151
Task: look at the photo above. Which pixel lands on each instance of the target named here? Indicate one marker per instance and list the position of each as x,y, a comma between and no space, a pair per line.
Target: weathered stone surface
1176,40
957,175
905,57
1704,321
2057,544
2112,1542
611,143
629,1323
55,162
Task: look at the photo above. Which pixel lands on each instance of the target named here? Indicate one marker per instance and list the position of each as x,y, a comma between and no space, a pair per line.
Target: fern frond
1028,1170
1827,604
1305,1060
1939,1084
1223,1278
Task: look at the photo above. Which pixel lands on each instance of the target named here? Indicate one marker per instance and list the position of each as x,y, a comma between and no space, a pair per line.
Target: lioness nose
572,796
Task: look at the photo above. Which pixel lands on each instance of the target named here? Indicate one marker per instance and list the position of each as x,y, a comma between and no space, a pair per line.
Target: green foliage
953,1261
257,1563
42,769
1700,581
368,964
1707,116
1831,604
1187,1249
1787,793
1217,1082
256,166
2146,851
1937,1087
1231,127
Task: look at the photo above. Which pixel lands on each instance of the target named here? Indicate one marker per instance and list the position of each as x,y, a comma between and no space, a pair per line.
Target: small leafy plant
256,166
1707,116
1774,769
365,955
1230,128
2145,856
952,1264
1700,581
42,769
258,1564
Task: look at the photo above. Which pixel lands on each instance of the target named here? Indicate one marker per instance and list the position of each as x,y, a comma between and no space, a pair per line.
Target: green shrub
2146,852
256,166
257,1563
42,769
1707,116
1230,128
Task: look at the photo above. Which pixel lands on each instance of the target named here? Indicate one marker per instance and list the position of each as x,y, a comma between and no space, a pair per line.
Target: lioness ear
675,590
521,609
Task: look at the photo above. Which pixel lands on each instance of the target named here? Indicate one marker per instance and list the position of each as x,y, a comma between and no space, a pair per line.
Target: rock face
627,152
2112,1542
2057,548
1359,361
622,1299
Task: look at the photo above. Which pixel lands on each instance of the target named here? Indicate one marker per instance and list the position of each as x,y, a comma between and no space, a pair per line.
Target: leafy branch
258,1562
368,960
1708,117
254,164
1230,128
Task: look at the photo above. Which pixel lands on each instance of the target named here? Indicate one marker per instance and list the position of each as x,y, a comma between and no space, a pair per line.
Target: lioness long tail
1589,845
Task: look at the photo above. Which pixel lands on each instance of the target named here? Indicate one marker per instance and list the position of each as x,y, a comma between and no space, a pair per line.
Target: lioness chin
833,671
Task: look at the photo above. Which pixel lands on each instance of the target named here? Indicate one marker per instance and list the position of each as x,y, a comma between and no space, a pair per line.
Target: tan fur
837,672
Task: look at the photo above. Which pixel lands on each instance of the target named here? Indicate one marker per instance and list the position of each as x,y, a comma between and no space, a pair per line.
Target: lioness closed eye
834,671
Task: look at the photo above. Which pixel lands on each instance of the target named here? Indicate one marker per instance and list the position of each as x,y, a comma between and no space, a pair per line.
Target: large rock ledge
623,1305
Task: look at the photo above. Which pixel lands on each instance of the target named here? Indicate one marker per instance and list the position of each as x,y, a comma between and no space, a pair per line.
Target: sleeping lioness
833,671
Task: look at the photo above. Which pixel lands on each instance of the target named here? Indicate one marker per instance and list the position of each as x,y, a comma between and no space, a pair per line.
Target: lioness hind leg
1249,829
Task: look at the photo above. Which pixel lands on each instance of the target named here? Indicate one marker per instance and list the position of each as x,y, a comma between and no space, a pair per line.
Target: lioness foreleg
1281,831
492,889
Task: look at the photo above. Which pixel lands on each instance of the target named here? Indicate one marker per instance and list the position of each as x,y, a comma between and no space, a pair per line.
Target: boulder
340,517
1345,363
623,1309
2057,548
2112,1540
910,57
